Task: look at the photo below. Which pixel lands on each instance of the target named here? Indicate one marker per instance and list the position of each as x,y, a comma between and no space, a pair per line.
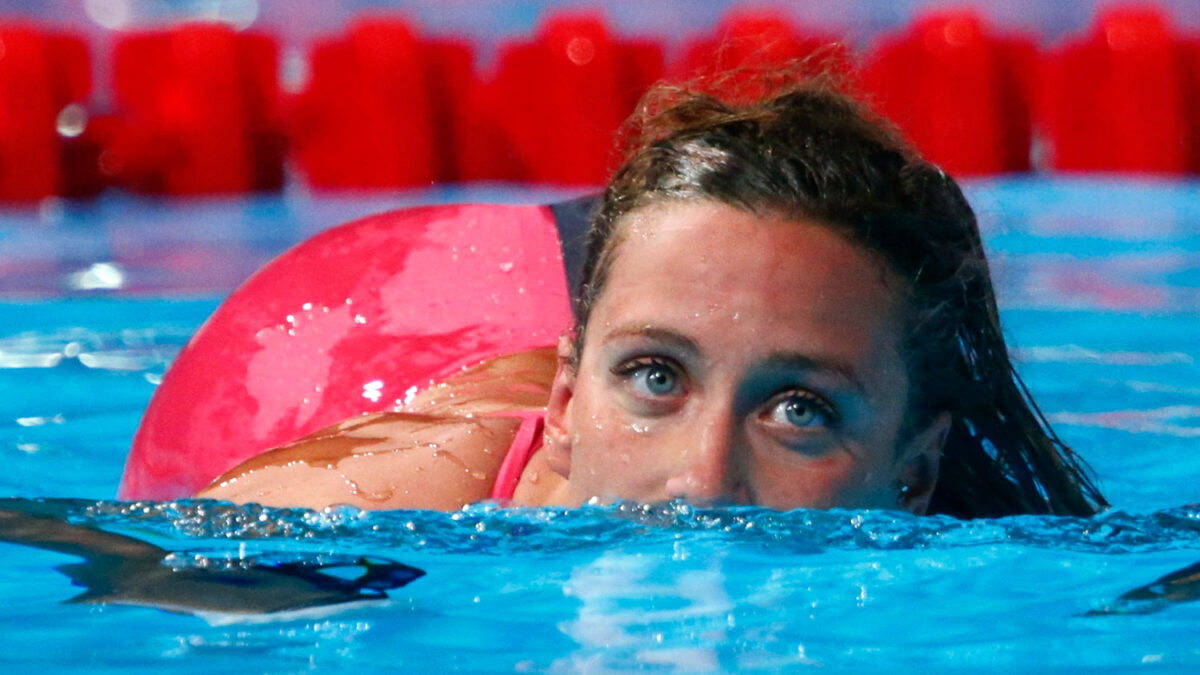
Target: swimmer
783,305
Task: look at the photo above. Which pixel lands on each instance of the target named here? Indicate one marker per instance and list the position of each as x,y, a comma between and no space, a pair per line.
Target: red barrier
961,93
1118,98
201,110
41,74
561,98
366,119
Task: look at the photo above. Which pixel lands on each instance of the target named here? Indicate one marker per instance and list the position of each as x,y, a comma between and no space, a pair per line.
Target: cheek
613,454
838,481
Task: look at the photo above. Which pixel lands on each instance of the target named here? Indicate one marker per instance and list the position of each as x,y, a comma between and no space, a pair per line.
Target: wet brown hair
810,151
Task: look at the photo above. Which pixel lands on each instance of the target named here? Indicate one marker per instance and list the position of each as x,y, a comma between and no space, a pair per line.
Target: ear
917,468
562,390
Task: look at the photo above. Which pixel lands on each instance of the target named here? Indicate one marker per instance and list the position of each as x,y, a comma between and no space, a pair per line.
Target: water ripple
488,529
124,350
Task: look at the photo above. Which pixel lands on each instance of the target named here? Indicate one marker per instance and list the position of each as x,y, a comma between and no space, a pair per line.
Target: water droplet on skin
534,477
639,428
736,315
478,475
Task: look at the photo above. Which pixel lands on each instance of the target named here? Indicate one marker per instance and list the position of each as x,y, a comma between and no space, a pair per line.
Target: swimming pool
1099,281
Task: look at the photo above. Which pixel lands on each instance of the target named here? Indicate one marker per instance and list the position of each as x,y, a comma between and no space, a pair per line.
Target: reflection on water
662,587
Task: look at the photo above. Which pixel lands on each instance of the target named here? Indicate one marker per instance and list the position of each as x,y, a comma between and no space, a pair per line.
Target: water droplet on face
639,428
478,475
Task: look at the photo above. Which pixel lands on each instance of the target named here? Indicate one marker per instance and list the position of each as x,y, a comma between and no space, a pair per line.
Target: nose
709,464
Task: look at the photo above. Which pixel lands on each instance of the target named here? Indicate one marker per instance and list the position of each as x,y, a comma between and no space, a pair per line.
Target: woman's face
733,358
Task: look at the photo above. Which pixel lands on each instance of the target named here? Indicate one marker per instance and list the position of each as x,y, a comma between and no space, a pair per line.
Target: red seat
40,74
642,65
960,93
463,140
200,107
754,41
1117,99
561,97
366,118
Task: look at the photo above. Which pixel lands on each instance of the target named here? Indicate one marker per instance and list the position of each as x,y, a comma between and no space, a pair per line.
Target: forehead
762,282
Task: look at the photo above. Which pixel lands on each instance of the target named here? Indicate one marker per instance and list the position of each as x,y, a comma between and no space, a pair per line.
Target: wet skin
733,358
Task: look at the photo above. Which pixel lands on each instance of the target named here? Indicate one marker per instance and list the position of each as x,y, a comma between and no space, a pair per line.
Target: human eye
800,410
651,377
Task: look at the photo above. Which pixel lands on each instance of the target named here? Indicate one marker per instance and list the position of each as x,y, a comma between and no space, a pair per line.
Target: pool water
1099,283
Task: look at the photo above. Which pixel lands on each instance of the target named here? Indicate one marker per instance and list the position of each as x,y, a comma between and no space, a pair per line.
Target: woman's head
829,194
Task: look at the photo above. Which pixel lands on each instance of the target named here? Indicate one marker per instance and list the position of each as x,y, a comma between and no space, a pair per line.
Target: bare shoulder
381,461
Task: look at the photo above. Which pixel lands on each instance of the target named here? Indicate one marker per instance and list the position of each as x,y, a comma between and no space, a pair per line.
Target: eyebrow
829,366
835,367
663,335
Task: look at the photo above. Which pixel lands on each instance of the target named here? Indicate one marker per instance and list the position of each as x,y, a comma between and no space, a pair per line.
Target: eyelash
823,407
626,370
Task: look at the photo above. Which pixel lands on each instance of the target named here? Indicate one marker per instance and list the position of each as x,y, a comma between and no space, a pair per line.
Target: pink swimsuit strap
525,443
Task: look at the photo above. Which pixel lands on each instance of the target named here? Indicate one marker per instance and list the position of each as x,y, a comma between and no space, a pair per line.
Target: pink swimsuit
349,322
526,442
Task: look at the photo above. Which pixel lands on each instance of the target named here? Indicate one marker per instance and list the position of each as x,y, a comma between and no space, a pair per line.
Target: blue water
1099,283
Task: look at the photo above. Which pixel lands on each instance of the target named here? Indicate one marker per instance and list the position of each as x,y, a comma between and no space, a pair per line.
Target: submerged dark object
124,570
1182,585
